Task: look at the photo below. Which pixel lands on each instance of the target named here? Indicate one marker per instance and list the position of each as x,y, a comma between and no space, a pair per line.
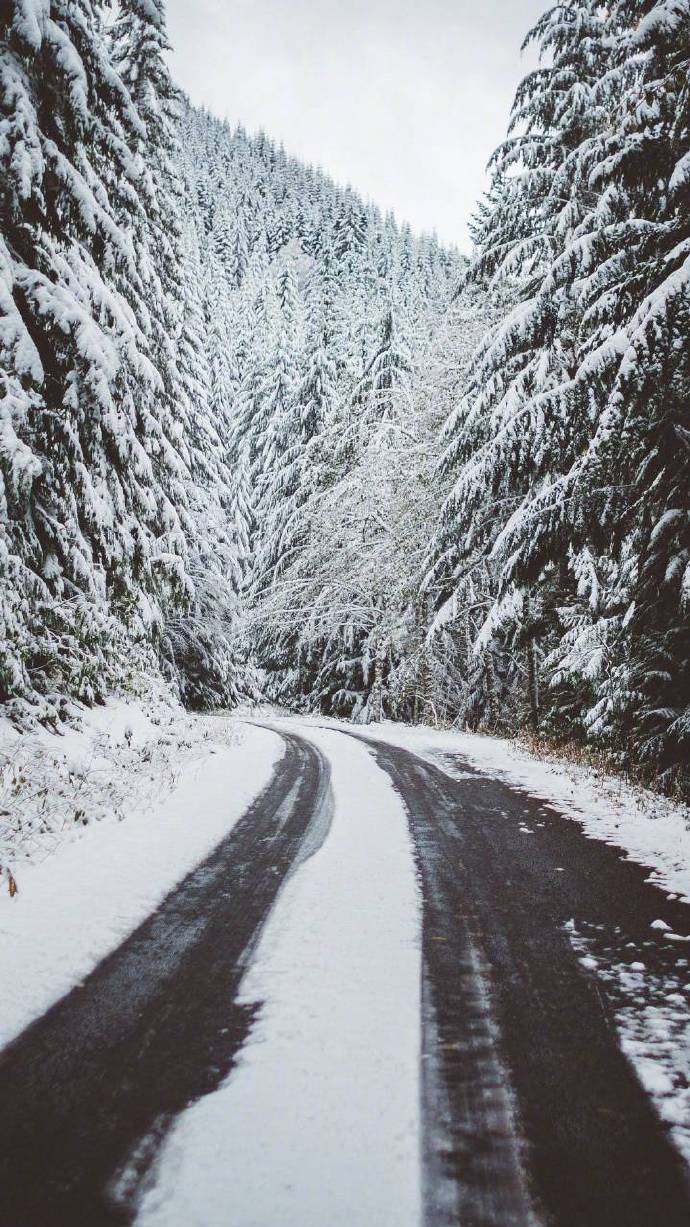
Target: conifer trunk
377,688
532,669
491,702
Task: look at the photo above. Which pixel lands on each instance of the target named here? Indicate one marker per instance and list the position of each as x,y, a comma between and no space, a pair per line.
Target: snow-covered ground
652,1014
320,1122
102,822
54,784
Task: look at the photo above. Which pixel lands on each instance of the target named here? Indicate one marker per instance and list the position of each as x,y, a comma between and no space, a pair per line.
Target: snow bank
166,788
52,785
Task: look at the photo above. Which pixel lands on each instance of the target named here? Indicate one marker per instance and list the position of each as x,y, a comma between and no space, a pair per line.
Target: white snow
652,1017
82,896
320,1121
319,1124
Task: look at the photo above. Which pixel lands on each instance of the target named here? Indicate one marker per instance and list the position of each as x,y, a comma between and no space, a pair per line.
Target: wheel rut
91,1088
532,1114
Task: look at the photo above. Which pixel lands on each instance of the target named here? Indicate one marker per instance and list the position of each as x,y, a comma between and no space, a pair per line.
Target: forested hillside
262,438
200,337
312,322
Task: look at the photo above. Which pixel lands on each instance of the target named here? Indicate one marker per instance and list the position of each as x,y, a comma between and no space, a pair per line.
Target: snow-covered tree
92,538
568,449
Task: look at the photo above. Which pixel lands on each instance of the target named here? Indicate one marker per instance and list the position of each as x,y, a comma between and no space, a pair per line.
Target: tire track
531,1110
88,1092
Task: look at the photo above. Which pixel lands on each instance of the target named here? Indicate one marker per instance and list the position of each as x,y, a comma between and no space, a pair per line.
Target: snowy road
531,1112
391,996
90,1087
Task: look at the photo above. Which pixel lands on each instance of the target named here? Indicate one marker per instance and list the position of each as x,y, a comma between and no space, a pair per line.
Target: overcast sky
404,99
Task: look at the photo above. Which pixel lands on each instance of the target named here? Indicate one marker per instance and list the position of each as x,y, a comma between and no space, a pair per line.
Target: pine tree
566,450
94,534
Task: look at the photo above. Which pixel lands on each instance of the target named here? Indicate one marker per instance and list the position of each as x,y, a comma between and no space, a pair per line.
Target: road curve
89,1090
532,1117
531,1112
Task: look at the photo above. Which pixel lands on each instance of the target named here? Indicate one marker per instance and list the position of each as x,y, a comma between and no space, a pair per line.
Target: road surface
529,1113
